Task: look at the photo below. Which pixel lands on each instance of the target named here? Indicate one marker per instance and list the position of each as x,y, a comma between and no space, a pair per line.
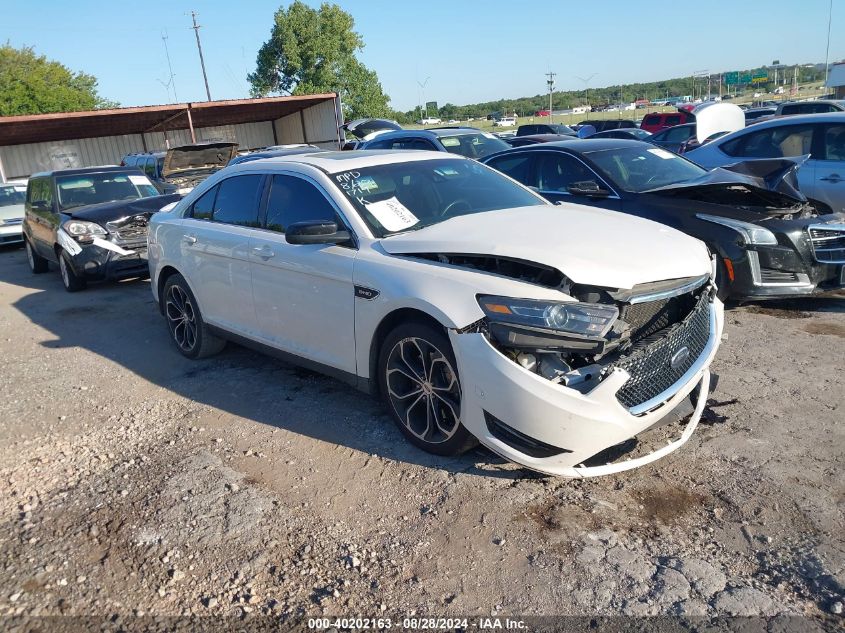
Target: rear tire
70,280
184,321
418,378
37,264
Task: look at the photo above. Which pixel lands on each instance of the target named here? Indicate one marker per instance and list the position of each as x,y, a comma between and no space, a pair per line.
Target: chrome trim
697,366
757,279
671,292
833,226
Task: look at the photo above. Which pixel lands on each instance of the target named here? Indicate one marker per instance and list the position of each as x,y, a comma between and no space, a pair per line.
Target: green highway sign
731,78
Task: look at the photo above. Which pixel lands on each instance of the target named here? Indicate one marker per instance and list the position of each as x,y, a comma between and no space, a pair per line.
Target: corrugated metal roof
836,77
38,128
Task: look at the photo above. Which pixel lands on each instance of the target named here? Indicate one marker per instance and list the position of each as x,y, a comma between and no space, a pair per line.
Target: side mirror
40,205
589,188
315,232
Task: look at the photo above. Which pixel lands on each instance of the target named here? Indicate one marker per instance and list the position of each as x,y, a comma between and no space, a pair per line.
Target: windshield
473,145
411,195
80,191
10,194
641,168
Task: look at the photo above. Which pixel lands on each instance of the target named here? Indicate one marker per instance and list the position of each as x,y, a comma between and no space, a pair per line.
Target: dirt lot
134,481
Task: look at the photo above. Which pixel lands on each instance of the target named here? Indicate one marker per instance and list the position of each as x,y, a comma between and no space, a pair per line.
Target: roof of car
822,117
839,102
334,162
587,145
434,132
82,171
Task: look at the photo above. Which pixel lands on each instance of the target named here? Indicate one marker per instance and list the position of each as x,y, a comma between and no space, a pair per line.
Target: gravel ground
134,481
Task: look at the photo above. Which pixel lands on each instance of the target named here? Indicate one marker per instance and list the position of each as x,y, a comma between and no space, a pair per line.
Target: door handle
265,252
832,178
189,239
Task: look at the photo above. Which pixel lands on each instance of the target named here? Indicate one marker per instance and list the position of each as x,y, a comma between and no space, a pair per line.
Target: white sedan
12,198
479,311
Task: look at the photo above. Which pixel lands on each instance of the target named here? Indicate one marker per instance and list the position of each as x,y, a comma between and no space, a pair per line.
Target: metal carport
32,143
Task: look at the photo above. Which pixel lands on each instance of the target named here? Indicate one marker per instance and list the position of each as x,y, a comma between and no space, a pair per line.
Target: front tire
419,381
70,280
184,320
37,264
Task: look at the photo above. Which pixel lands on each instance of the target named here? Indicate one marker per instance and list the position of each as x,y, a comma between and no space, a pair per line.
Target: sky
461,51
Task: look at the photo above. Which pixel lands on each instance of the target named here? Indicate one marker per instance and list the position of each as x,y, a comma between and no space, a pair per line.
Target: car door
304,293
41,217
216,235
830,166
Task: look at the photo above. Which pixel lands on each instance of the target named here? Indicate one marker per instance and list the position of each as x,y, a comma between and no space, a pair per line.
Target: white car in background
12,198
819,136
430,121
506,121
479,311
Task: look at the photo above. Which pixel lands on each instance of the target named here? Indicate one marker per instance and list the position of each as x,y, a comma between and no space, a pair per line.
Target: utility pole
170,68
551,83
827,50
586,81
196,28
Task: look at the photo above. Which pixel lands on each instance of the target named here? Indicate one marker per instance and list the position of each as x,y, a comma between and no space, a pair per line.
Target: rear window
473,145
673,119
12,194
652,119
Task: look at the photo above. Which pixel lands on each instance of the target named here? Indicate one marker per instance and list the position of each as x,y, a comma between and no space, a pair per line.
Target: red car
661,120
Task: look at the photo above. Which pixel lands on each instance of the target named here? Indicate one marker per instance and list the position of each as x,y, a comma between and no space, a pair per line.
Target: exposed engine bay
646,314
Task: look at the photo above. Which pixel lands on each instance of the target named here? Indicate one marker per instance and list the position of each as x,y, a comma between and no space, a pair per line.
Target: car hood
774,181
713,117
111,211
11,211
202,156
590,246
367,129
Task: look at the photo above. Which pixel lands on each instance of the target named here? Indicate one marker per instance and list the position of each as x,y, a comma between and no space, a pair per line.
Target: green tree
33,84
312,51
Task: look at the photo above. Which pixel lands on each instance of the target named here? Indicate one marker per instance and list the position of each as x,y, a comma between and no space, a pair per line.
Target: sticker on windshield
488,135
392,214
139,180
662,153
450,141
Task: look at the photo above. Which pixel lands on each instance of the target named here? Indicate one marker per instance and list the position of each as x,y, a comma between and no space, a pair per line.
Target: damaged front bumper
102,259
555,429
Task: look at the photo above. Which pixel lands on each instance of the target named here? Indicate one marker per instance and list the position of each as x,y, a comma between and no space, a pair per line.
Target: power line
196,28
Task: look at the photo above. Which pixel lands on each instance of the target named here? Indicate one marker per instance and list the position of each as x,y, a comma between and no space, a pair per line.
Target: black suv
91,222
607,124
544,128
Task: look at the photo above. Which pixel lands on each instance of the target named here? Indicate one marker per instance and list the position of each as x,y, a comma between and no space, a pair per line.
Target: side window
678,134
380,145
776,142
834,142
40,191
419,143
673,119
204,207
294,200
789,109
237,200
651,119
150,167
517,167
556,172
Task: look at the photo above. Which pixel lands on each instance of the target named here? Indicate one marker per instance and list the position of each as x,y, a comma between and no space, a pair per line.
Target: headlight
584,319
80,229
751,233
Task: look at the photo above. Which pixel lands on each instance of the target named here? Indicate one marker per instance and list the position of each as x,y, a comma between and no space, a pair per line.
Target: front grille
828,243
772,276
650,364
649,318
